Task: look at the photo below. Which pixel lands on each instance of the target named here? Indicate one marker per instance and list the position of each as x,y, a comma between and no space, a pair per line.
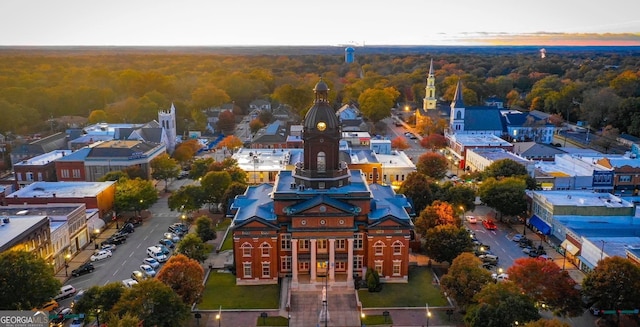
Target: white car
147,270
517,237
501,277
101,254
472,219
129,282
173,237
151,262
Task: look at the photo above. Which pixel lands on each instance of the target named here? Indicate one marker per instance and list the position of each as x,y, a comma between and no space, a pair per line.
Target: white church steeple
167,120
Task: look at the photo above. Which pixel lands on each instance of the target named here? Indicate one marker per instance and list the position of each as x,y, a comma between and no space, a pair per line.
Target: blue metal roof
482,119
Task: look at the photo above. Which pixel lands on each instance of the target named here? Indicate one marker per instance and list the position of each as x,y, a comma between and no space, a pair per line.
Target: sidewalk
83,255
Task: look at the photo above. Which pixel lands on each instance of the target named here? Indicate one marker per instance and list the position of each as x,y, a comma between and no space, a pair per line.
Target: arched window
397,247
378,248
458,114
322,162
264,249
246,249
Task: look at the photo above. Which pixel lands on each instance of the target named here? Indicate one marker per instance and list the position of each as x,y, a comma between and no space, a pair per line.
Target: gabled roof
322,199
482,119
386,203
254,203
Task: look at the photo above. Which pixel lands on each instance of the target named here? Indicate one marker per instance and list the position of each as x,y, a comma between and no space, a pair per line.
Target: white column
332,260
349,261
313,260
294,261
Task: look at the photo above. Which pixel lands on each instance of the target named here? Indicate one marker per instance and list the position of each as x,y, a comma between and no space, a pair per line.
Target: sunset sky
298,22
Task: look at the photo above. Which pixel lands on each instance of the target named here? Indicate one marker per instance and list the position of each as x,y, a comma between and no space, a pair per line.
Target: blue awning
586,262
540,225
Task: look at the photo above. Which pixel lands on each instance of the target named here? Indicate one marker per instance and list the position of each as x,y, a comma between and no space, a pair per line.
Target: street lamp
66,264
219,316
362,316
98,317
288,320
428,314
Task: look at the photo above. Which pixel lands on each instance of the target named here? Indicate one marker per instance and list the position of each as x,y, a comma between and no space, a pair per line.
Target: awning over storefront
586,262
540,225
570,247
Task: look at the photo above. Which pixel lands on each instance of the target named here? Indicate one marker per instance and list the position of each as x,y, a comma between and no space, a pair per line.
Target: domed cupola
321,118
321,168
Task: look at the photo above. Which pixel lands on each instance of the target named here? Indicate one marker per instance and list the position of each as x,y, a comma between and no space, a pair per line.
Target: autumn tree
127,320
506,195
226,121
376,104
460,196
231,142
205,229
299,98
164,168
113,176
184,276
134,195
608,138
153,302
193,247
438,213
444,243
399,143
208,96
500,305
416,187
255,125
433,142
103,297
97,116
465,278
614,284
433,165
26,281
545,282
186,150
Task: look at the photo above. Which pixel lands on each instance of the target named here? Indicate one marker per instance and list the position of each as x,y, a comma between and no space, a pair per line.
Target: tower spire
458,102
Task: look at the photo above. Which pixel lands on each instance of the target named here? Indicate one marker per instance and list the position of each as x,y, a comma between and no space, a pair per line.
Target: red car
489,224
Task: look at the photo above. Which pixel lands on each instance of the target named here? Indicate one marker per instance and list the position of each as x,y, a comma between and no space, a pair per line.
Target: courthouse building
321,222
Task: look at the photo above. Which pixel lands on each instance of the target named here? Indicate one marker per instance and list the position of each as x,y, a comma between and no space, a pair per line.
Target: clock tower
321,133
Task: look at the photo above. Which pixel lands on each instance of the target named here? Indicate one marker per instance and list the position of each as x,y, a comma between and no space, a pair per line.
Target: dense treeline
131,86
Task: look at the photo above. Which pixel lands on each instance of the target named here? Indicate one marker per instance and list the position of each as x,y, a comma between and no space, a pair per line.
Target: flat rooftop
16,226
39,210
264,159
61,189
580,198
495,154
470,140
44,159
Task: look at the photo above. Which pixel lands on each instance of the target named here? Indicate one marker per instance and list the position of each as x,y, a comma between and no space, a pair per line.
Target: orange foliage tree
399,143
231,142
433,165
184,276
434,142
436,214
545,282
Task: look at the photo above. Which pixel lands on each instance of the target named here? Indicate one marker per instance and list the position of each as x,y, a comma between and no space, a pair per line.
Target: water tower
349,55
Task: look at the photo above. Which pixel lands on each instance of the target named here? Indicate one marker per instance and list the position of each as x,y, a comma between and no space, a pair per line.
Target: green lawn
417,293
221,290
222,226
377,320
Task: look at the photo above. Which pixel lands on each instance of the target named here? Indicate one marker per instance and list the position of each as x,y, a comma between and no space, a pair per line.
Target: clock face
321,126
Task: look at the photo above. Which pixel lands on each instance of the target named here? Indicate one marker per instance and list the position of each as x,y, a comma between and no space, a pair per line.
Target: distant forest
598,85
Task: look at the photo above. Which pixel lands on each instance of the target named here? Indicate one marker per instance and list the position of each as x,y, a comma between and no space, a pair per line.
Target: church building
322,222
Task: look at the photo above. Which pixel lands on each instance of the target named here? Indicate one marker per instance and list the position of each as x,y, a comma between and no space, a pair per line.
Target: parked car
147,270
173,237
82,270
116,239
489,258
472,219
138,276
107,246
183,174
517,237
167,243
100,255
489,224
488,266
151,262
500,277
523,243
163,249
127,229
77,322
65,292
178,230
129,282
135,221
